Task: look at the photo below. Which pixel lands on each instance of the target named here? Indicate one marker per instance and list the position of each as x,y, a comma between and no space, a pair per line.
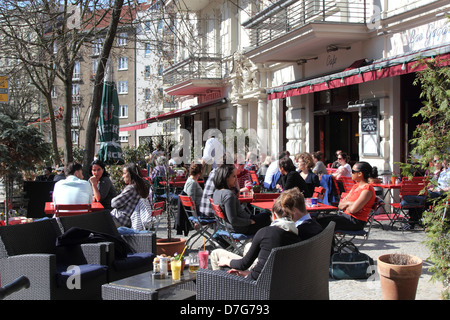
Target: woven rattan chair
294,272
30,250
142,244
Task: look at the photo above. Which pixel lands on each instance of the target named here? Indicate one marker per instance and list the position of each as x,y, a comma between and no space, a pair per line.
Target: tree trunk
91,130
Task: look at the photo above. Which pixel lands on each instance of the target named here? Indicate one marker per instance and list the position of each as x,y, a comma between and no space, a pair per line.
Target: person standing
213,150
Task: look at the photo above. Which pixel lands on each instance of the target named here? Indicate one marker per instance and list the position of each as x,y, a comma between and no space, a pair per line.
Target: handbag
350,265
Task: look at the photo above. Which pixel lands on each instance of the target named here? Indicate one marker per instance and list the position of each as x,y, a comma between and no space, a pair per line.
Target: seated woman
124,204
357,204
244,180
102,186
160,168
290,178
319,166
344,169
191,187
305,163
281,232
225,195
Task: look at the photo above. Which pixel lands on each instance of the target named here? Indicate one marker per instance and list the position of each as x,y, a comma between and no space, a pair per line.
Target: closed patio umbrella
110,151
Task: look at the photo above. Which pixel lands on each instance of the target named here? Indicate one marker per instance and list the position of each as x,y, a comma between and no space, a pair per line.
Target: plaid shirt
205,205
124,204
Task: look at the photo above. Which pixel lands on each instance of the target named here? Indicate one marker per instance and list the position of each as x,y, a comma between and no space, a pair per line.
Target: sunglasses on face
355,171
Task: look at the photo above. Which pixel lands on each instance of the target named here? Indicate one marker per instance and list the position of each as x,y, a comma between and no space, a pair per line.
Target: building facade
306,75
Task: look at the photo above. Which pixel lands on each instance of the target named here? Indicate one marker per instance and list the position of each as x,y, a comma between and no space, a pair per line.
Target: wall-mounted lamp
303,61
334,47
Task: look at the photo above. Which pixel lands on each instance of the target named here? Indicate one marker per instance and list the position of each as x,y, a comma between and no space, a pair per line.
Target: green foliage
432,138
22,147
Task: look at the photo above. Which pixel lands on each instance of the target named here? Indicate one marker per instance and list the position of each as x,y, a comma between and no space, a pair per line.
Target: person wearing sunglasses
344,170
356,206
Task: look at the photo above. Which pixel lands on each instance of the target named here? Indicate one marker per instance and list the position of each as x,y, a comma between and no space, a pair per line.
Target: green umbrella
110,151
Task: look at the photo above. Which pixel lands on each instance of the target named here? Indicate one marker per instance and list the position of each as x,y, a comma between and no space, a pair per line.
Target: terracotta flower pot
399,281
176,245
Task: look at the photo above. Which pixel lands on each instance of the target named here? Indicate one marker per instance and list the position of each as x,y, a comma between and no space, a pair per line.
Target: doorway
335,128
410,104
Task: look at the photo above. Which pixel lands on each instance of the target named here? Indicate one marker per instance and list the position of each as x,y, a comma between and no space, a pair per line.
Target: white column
262,132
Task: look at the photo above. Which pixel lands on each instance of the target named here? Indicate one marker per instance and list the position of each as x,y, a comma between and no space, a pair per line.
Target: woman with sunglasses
344,169
356,206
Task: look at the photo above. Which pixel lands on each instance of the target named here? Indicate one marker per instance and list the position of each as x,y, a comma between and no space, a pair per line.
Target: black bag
352,265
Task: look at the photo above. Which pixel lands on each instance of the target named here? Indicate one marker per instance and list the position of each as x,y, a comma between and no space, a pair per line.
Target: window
148,93
94,67
75,116
123,136
122,87
122,39
97,47
123,111
147,49
76,71
147,25
76,93
123,63
75,135
160,70
147,72
54,95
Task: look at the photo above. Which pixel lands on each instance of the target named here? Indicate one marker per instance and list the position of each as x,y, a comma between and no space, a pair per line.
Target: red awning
350,76
170,115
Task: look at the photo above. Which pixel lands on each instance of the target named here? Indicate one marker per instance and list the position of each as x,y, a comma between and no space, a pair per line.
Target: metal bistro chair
158,208
346,236
236,241
413,187
201,225
65,210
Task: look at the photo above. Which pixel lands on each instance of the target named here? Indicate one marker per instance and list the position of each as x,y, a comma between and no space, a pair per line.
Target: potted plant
399,275
394,178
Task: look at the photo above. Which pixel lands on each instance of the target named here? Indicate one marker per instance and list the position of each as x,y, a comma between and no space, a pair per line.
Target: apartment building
305,75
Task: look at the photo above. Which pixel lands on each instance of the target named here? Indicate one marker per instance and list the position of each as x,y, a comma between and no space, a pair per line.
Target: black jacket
293,179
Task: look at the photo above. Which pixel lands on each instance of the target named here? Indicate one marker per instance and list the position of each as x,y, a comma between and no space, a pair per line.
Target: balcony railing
285,16
197,67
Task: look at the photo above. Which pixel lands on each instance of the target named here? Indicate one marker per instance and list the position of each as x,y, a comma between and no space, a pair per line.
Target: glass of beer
193,262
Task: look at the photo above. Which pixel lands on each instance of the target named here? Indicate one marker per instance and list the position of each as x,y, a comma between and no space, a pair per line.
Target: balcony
294,29
194,76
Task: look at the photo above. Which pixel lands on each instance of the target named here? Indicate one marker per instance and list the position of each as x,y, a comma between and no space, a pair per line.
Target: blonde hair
307,159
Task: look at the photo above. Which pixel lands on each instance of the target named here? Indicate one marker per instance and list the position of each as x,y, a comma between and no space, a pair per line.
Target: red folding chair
156,213
201,225
65,210
417,186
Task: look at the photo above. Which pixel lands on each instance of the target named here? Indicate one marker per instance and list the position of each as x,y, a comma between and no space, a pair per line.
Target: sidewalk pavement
381,241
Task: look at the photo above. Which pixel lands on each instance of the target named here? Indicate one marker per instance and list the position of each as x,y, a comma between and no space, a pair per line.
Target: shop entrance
410,104
335,128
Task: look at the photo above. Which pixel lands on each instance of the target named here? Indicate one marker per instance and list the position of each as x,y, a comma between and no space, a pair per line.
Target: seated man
73,189
273,172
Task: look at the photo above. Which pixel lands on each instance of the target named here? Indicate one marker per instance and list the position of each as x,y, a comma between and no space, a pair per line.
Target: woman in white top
344,170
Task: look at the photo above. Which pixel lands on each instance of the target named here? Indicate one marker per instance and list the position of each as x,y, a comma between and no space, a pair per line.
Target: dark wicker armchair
30,250
142,244
294,272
